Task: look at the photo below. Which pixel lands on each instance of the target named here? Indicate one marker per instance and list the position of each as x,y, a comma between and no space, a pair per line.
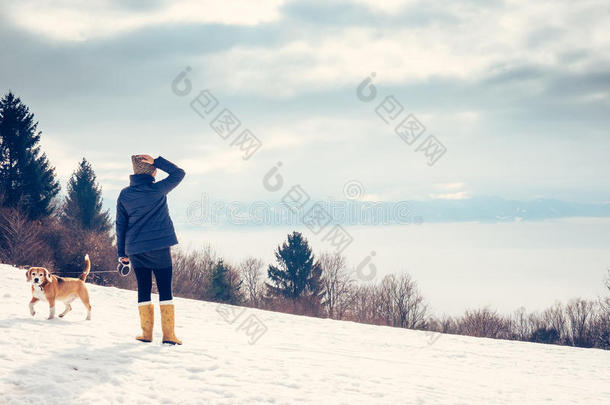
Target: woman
145,233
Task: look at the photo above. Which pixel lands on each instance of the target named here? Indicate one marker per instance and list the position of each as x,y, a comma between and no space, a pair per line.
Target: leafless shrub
304,305
482,323
71,244
447,324
20,240
193,272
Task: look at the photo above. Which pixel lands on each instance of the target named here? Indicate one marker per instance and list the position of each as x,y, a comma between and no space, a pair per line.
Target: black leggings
164,283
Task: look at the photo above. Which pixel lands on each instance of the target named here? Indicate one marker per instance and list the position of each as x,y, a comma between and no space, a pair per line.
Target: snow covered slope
292,359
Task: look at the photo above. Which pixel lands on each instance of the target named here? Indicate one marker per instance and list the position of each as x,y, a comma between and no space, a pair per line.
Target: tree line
40,227
300,283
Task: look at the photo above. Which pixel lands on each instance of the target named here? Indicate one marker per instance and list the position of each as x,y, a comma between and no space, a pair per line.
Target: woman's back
143,221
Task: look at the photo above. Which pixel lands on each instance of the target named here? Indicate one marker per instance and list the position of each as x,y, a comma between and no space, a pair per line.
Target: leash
91,272
123,274
122,268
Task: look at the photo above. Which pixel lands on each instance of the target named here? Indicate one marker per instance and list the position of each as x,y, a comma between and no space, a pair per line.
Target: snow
269,358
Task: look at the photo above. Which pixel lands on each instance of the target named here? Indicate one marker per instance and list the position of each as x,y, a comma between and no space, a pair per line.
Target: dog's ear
47,275
28,275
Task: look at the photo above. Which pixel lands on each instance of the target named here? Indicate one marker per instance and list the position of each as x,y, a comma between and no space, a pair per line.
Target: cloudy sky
516,91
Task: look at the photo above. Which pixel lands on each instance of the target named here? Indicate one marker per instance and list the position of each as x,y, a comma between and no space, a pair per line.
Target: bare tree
521,325
555,317
602,325
402,303
580,315
360,308
604,302
253,278
365,308
337,284
535,321
346,301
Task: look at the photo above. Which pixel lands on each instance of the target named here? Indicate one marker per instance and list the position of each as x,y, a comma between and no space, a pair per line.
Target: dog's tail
85,273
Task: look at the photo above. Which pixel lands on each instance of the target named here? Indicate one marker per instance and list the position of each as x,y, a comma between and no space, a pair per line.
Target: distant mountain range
495,209
355,212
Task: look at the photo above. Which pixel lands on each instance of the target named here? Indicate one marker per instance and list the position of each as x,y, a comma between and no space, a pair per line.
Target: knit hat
140,167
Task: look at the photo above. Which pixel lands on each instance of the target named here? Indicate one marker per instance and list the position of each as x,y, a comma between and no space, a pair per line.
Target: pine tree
315,287
296,274
83,205
224,288
27,180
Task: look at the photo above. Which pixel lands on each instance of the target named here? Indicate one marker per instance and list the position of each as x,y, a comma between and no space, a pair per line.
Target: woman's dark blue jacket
142,218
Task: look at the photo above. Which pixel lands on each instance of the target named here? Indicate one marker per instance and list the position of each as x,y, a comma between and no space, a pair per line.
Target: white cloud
62,157
483,40
450,191
70,20
296,134
225,161
451,186
451,196
321,148
343,59
373,197
386,6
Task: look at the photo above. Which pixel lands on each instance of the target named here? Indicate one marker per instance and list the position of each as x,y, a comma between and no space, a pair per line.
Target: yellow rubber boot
147,320
167,323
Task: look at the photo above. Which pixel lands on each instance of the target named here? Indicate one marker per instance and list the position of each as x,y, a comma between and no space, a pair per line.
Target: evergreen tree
315,286
296,274
224,288
27,180
83,205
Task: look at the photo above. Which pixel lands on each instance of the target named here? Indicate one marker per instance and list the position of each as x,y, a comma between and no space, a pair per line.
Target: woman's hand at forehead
147,159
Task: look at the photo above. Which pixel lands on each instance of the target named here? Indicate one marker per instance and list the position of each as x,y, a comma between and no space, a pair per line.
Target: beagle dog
48,287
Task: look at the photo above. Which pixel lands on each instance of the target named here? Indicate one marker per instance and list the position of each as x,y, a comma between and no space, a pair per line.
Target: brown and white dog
50,288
